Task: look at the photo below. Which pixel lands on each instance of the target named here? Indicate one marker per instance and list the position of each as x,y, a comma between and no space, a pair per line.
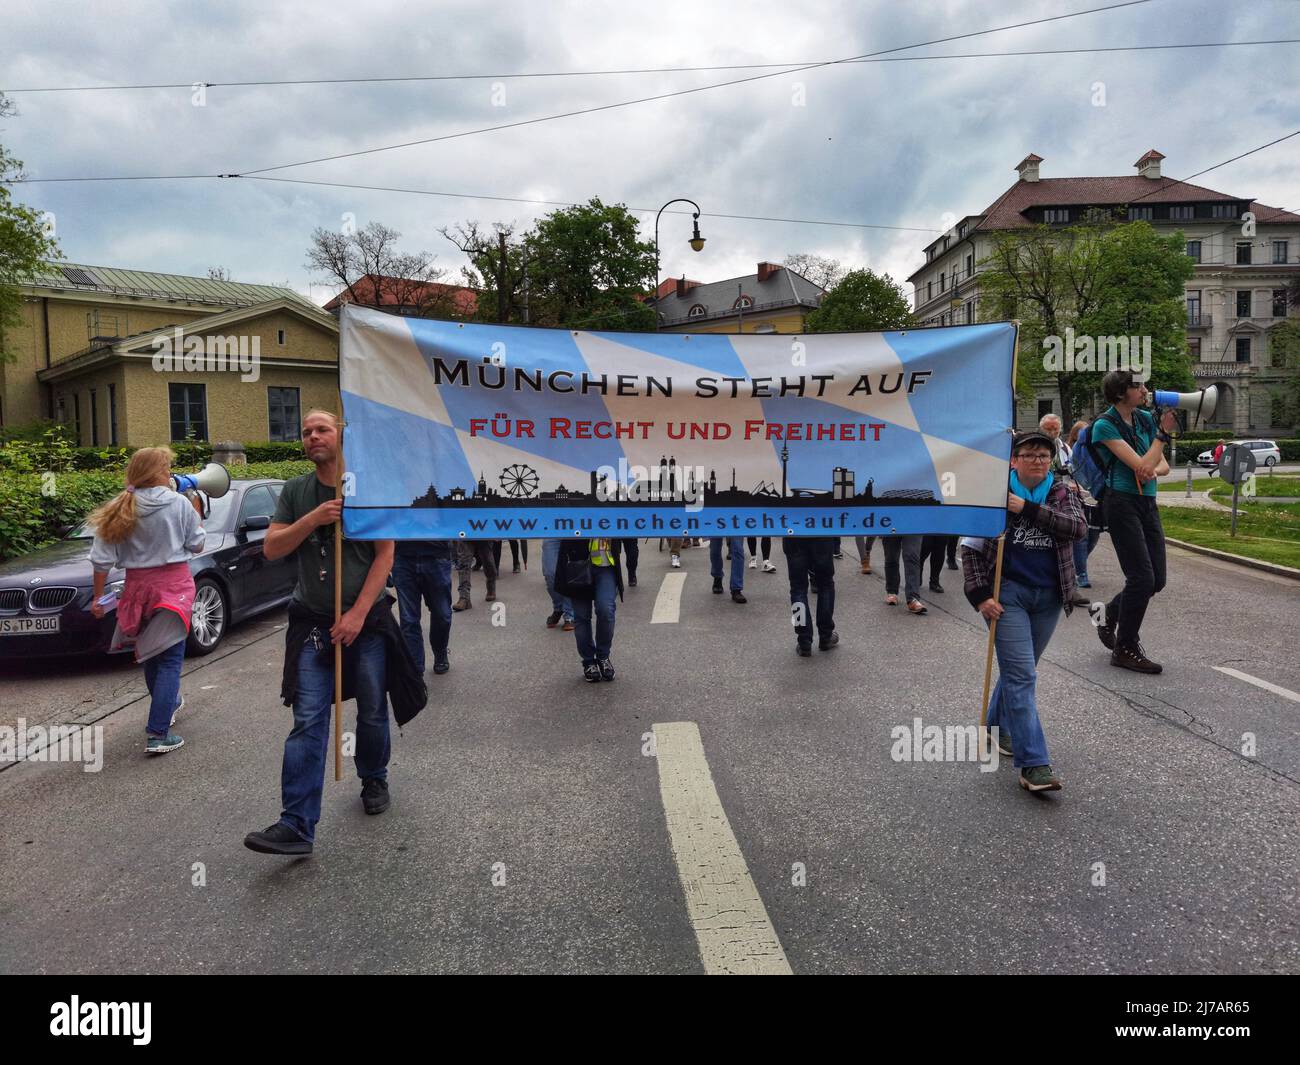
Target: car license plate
28,626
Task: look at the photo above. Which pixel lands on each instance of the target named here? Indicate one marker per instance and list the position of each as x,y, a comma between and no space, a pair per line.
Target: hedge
30,518
188,453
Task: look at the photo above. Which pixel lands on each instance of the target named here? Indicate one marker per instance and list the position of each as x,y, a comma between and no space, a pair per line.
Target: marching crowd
1061,494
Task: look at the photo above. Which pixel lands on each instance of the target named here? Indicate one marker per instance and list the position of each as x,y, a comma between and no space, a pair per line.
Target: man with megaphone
1136,442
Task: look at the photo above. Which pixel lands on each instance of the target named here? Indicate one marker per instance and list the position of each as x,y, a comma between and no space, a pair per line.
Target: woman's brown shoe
891,600
916,606
866,566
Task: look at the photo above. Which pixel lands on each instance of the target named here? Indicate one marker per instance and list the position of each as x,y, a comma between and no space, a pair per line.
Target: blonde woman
150,531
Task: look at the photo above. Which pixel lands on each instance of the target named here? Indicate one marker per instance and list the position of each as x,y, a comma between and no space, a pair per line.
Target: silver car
1266,453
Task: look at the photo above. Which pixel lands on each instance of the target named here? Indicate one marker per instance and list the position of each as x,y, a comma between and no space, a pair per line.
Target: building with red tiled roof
416,299
1237,295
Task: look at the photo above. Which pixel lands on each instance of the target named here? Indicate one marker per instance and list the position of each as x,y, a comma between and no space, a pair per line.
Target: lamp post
696,243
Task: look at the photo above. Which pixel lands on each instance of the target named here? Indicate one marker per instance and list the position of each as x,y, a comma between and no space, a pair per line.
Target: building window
1223,210
1243,253
1279,251
1140,214
929,290
1044,408
945,243
961,230
63,412
1194,250
112,415
742,303
1243,349
282,413
189,411
1194,307
1194,348
279,337
94,420
970,312
697,310
1056,214
1279,303
943,281
1182,213
1243,303
970,264
76,416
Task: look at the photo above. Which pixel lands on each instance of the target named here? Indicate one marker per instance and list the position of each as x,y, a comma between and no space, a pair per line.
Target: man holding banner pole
338,603
1019,583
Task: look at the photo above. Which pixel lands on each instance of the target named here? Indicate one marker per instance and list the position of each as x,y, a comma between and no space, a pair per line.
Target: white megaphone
1201,404
213,480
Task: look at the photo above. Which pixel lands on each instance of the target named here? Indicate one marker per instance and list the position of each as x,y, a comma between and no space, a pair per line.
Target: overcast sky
891,144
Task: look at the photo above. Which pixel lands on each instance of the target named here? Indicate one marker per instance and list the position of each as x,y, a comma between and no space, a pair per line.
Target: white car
1266,453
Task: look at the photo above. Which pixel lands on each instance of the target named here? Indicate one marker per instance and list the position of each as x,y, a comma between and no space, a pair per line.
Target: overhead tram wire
625,103
523,75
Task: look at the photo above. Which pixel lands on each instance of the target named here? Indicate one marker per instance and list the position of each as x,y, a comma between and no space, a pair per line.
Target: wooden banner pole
338,616
993,629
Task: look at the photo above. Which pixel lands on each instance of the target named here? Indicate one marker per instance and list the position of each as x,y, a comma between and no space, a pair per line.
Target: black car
45,596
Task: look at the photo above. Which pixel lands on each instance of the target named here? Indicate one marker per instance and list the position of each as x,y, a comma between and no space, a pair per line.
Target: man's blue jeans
606,588
1029,617
737,560
423,578
162,676
816,555
550,559
303,775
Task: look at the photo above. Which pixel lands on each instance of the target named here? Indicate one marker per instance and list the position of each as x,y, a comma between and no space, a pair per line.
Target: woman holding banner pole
1045,519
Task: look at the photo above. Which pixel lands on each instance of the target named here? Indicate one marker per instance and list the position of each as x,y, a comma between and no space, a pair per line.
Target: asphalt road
531,832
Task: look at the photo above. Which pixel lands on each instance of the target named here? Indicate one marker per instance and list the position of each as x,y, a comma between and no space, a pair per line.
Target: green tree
25,242
1284,344
1097,281
863,301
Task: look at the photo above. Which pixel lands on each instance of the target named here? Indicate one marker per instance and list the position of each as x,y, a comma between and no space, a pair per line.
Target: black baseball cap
1032,436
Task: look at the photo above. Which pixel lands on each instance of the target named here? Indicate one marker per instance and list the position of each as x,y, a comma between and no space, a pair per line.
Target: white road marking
731,924
668,603
1286,693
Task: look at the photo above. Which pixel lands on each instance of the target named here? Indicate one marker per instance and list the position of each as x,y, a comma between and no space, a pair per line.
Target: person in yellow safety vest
590,573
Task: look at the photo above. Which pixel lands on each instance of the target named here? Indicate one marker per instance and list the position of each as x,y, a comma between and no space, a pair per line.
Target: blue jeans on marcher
423,578
802,556
606,589
737,560
162,675
1029,617
550,559
303,774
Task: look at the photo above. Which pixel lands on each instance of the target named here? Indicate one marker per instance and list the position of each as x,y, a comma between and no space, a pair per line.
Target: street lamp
696,242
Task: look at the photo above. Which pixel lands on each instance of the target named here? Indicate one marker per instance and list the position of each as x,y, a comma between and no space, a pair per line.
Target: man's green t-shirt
1120,477
315,555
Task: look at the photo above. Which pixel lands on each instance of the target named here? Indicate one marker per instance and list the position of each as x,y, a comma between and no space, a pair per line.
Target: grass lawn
1264,531
1277,485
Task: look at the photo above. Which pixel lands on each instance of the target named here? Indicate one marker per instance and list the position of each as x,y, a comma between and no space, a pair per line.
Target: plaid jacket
1060,515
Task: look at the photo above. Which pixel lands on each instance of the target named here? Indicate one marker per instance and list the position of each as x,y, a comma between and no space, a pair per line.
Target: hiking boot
440,663
163,744
825,643
553,618
1039,778
591,673
866,566
374,795
717,585
803,648
737,597
1134,658
278,839
462,604
606,669
1106,632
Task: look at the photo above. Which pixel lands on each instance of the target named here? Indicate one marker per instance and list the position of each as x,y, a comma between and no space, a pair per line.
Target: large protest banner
459,430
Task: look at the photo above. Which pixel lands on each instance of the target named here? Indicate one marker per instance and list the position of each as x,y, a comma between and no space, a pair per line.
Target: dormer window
742,303
1056,214
698,310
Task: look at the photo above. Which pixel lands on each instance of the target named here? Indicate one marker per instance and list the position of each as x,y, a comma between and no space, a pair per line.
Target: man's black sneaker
1134,658
278,839
440,663
553,618
936,587
631,580
804,648
737,597
591,673
717,585
374,795
606,669
825,643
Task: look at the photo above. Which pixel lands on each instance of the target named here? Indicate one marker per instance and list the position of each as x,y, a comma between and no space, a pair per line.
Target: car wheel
209,618
1270,461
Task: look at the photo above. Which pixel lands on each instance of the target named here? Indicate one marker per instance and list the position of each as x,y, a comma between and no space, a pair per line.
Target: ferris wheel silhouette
518,481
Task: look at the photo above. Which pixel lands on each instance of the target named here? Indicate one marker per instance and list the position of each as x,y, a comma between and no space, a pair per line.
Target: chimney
766,270
684,286
1149,165
1027,168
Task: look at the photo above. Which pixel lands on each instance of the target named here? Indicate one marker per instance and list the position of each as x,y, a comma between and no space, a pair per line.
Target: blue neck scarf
1038,494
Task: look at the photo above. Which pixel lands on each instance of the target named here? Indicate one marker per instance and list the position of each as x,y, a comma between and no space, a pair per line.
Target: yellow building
130,357
772,300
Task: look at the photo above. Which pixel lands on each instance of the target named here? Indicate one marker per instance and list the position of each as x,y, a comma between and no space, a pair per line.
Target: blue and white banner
457,430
